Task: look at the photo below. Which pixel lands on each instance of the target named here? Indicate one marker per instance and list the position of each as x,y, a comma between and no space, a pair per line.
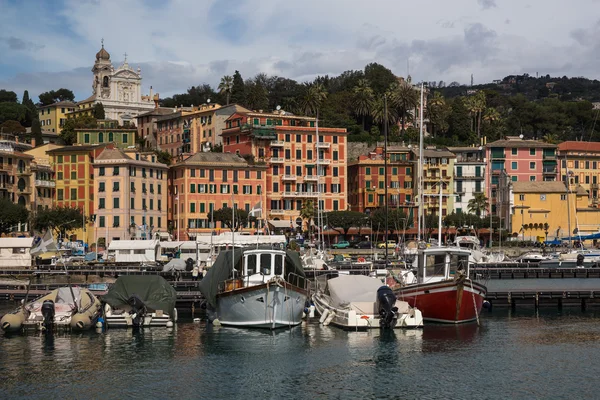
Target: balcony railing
277,143
290,177
549,170
277,160
42,183
311,178
323,145
469,176
300,194
277,212
323,161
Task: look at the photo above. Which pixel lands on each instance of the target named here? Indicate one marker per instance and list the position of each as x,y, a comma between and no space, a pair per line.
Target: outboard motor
138,310
580,259
189,264
386,300
48,312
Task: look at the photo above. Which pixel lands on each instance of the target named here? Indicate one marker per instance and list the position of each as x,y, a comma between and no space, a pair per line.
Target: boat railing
297,280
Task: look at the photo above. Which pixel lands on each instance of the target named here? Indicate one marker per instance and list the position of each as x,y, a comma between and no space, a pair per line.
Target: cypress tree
238,93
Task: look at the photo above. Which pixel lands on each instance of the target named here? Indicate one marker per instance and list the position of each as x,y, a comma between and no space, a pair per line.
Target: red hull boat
443,290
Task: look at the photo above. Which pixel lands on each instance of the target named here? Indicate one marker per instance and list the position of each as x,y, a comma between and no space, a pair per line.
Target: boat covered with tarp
140,301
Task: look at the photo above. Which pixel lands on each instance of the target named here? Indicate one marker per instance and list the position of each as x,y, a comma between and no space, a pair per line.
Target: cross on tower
125,56
102,40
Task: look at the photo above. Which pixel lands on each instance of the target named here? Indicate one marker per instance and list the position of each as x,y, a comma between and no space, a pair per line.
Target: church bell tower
102,70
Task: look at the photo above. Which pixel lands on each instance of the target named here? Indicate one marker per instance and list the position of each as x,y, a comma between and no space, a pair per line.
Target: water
513,355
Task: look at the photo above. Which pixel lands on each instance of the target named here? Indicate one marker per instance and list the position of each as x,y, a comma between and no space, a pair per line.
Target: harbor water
522,355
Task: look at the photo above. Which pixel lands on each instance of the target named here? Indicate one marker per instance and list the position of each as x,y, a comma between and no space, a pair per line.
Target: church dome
102,54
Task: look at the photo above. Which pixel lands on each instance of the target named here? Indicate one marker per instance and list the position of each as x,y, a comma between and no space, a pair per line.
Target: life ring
361,259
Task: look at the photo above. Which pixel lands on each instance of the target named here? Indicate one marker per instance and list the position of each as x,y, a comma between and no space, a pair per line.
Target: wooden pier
536,299
530,272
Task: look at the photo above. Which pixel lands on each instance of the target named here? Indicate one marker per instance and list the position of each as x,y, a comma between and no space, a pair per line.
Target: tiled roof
76,148
112,154
579,146
65,103
210,158
518,143
158,111
539,187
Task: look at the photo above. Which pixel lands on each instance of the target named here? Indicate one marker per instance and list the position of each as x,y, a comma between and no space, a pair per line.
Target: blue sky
45,45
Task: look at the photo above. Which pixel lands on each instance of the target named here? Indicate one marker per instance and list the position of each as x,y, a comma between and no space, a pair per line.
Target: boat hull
451,302
269,306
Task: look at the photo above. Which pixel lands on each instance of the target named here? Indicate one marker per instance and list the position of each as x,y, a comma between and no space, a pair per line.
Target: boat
442,289
256,288
140,301
532,257
478,254
65,308
362,302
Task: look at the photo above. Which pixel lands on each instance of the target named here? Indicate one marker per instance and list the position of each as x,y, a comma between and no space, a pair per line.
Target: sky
49,44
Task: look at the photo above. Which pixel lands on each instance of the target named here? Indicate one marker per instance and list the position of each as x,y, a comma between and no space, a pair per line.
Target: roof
435,153
579,146
461,149
515,141
65,103
16,242
132,244
89,99
211,158
539,187
16,154
158,111
66,149
116,154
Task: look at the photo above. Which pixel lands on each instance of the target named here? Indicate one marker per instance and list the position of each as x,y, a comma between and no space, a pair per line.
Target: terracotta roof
76,148
512,143
91,98
435,153
158,111
579,146
16,154
65,103
539,187
112,154
463,149
217,159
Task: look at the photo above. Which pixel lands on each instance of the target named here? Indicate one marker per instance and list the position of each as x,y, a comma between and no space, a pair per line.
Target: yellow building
53,116
580,160
535,204
438,168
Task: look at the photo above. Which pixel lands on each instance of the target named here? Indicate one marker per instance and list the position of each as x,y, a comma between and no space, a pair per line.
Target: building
43,183
108,131
297,160
53,116
580,161
469,175
147,125
535,204
119,90
74,177
191,130
131,196
438,169
366,187
15,176
205,182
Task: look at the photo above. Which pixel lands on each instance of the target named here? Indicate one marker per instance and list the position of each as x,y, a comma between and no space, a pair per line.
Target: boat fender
216,322
169,324
12,322
80,322
311,311
361,259
486,304
324,316
175,316
329,318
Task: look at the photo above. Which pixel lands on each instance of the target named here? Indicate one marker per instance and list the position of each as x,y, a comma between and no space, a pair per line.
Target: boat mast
420,171
440,216
385,172
568,183
232,237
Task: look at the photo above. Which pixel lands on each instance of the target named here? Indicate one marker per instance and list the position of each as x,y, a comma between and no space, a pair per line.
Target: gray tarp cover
155,291
346,289
176,264
221,271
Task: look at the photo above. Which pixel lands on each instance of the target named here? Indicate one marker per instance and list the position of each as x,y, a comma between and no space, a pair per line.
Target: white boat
478,254
256,288
362,302
140,301
532,256
66,308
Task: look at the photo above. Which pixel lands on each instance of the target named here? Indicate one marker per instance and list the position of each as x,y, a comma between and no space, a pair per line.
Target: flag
256,210
44,244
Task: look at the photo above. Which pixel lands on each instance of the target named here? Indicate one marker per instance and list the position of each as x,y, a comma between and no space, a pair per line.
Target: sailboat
442,288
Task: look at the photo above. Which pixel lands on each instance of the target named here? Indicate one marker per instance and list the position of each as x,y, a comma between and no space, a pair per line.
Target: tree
458,121
238,92
13,127
307,212
438,112
380,77
431,223
362,100
68,133
342,221
404,99
226,86
478,204
163,157
257,97
13,111
32,112
36,131
397,219
61,220
312,98
98,111
226,216
7,96
11,215
54,96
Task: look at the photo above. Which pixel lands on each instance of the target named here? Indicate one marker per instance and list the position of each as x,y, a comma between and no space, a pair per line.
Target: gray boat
256,288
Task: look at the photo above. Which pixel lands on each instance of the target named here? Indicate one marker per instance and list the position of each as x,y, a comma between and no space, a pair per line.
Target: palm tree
480,103
313,97
226,86
307,212
550,138
438,112
362,99
478,203
404,99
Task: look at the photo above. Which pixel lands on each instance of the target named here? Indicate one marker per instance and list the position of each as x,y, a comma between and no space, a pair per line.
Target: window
73,194
514,178
116,204
395,171
101,222
101,137
335,171
124,138
335,155
192,207
309,138
532,178
522,197
116,186
59,194
235,176
101,187
116,221
335,205
309,154
298,139
159,187
192,188
532,152
101,203
115,171
132,203
275,187
86,138
298,154
514,151
368,171
563,197
73,159
514,165
335,139
74,175
224,175
532,165
381,172
224,189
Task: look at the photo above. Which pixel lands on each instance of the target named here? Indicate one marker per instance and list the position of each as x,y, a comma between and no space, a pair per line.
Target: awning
280,224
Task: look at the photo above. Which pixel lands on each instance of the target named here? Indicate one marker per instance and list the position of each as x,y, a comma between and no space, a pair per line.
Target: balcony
498,155
323,145
277,160
277,212
323,161
549,156
277,143
42,183
290,177
469,176
311,178
594,186
551,170
23,171
300,194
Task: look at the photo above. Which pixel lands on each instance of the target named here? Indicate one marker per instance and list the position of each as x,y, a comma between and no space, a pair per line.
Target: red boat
443,290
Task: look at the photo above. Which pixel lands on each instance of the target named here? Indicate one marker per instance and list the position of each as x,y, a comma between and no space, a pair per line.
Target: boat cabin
15,252
442,263
134,251
467,242
261,265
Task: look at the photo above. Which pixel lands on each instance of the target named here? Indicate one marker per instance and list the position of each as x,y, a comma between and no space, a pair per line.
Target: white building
469,175
119,90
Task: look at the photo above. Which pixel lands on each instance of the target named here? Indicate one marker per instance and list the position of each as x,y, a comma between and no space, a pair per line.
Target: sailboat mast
232,237
385,172
568,183
420,171
440,216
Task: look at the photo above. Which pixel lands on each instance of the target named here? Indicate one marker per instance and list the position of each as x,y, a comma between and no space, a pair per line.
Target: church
119,90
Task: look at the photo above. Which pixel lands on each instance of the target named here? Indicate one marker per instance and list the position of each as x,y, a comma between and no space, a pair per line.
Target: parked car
341,245
390,245
364,245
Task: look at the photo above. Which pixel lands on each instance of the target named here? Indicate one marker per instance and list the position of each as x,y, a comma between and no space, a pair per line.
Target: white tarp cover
347,289
280,224
134,251
240,240
15,252
133,244
16,242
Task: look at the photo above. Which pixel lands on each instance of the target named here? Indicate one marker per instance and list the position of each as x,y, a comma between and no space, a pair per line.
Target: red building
297,160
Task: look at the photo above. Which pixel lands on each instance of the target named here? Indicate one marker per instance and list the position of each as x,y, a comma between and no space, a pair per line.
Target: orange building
15,176
289,146
205,182
366,188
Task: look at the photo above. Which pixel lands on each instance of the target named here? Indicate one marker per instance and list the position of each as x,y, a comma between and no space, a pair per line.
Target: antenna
471,80
407,67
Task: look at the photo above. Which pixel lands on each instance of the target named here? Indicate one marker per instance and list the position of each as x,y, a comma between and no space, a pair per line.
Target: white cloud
179,44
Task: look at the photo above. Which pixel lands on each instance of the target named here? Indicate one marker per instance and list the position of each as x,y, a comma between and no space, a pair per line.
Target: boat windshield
459,261
435,265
